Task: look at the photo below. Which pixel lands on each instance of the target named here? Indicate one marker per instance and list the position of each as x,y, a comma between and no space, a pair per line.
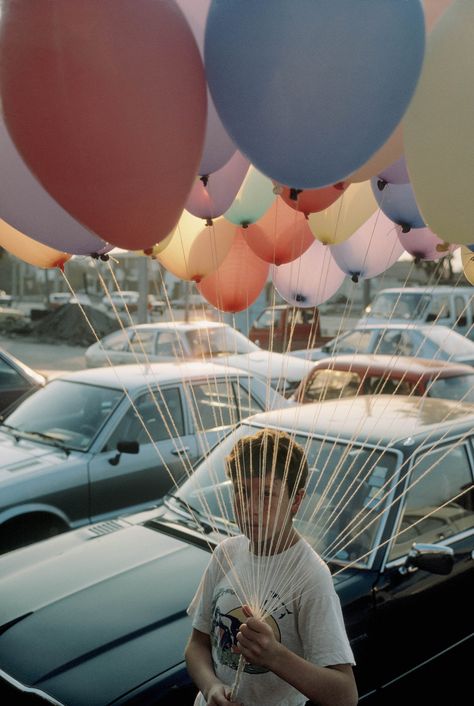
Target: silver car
92,444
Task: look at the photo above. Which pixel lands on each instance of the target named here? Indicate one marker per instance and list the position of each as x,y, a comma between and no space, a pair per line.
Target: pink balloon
423,244
210,197
28,208
309,280
218,146
238,281
371,250
285,234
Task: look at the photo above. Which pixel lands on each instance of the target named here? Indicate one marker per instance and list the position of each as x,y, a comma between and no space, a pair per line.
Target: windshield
219,340
357,341
69,412
398,305
346,492
460,388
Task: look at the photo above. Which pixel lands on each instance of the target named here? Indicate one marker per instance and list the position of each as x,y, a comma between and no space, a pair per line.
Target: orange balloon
284,234
238,281
312,200
29,250
106,103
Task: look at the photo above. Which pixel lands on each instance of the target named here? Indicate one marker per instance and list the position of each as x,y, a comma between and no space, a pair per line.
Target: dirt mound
68,324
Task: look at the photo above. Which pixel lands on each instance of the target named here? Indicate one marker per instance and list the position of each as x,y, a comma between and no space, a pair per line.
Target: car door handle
181,450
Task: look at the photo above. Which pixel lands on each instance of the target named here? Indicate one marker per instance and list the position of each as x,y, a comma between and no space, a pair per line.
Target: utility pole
142,270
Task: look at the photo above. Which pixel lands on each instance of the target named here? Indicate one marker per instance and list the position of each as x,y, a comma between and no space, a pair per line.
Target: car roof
137,375
179,325
438,289
378,363
373,419
425,329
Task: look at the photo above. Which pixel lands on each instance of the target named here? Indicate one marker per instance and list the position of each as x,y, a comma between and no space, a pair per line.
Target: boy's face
264,512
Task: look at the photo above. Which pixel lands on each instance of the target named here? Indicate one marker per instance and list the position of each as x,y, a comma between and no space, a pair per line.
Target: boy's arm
201,670
325,686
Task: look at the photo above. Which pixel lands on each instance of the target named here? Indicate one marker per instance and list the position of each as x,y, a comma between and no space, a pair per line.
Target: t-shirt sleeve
200,608
321,626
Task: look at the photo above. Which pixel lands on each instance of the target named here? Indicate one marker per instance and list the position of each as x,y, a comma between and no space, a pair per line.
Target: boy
292,638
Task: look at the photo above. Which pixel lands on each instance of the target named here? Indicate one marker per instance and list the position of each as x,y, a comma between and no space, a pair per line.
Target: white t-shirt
304,613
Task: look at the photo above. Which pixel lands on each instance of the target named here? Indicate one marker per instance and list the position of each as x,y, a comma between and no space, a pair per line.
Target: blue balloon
471,247
309,90
398,203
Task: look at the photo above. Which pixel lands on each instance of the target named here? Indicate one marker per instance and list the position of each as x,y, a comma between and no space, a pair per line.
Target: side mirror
434,558
124,447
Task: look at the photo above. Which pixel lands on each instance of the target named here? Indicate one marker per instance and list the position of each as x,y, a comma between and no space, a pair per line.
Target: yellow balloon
438,127
338,222
467,259
30,250
390,152
195,249
156,249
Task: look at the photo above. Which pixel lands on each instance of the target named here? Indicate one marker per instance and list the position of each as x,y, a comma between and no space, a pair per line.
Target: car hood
122,599
269,364
26,456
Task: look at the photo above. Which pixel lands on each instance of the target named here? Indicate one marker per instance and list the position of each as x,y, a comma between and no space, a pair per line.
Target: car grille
105,528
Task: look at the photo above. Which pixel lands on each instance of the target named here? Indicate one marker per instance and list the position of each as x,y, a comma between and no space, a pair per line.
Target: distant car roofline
378,363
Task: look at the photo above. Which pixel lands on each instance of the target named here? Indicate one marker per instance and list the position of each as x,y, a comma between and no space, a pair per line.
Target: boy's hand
219,695
257,641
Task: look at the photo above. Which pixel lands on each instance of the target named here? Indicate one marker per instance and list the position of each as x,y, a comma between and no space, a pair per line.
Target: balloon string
236,684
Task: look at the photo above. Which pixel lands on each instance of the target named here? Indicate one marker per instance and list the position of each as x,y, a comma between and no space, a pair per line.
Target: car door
421,614
462,315
159,422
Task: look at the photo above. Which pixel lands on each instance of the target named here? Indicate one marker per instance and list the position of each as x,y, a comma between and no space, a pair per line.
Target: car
98,615
282,327
441,304
17,380
58,299
428,341
359,374
13,319
121,300
199,340
94,443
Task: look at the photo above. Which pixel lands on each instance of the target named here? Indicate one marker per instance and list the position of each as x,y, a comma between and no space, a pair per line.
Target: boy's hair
266,452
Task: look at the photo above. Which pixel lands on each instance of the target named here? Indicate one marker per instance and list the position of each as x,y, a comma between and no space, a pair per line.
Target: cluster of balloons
309,141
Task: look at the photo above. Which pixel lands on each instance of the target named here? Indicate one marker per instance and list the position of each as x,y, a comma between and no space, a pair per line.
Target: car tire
26,529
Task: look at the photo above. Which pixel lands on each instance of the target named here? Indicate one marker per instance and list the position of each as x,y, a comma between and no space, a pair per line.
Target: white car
199,340
92,444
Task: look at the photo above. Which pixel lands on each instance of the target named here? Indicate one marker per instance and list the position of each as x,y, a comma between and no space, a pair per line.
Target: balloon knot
355,278
104,257
277,189
209,222
95,255
204,178
417,259
300,297
381,183
294,194
245,224
442,247
340,185
405,227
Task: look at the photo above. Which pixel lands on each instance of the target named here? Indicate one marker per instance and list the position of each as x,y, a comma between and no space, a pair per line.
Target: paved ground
45,357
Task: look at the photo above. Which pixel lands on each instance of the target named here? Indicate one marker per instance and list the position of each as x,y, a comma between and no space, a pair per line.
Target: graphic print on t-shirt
224,629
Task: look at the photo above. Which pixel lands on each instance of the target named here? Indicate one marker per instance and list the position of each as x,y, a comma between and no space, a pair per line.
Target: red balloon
285,234
106,102
238,281
312,200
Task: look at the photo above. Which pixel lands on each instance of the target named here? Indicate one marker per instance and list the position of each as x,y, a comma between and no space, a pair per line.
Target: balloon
312,200
309,280
238,280
27,207
396,173
398,202
218,147
255,196
371,250
423,244
309,91
106,103
30,250
283,236
467,259
337,223
433,11
390,152
439,145
195,249
212,195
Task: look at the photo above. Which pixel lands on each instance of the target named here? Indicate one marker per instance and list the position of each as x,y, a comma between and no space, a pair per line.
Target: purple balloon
396,173
371,250
309,280
398,203
423,244
210,197
27,206
218,146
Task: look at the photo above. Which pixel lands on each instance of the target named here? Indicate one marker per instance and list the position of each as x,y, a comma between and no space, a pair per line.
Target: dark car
17,380
98,616
358,374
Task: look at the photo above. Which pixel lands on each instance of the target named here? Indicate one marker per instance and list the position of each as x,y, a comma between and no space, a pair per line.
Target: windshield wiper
47,437
201,521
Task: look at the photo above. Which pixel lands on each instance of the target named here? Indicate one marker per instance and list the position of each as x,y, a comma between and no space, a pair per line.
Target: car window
218,340
384,385
353,342
395,343
267,318
460,388
157,416
461,308
213,404
117,341
169,343
438,310
399,305
247,404
9,377
142,342
439,500
332,384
